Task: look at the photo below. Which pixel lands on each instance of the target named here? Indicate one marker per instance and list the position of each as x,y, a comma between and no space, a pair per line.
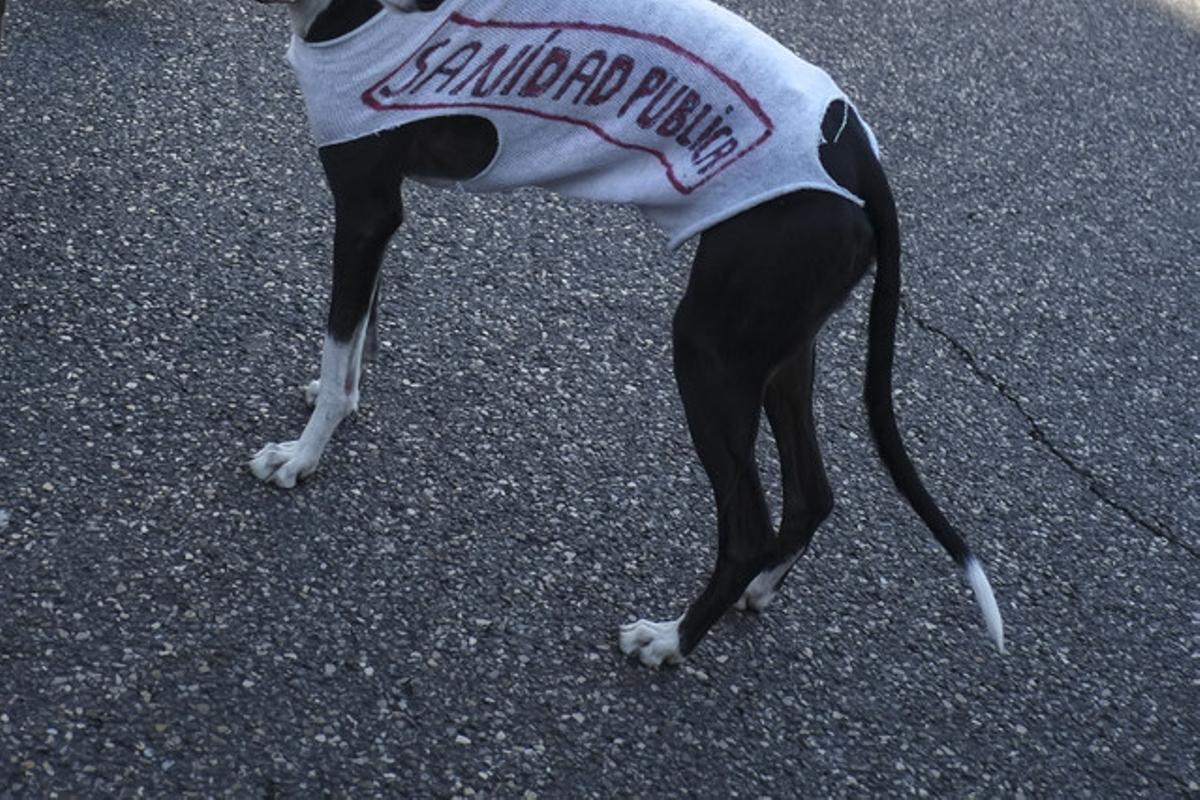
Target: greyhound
711,127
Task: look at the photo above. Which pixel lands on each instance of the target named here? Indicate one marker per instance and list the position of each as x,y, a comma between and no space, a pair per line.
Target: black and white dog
766,274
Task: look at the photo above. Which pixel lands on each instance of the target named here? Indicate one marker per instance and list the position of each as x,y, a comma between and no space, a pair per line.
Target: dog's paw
758,594
765,586
283,463
654,643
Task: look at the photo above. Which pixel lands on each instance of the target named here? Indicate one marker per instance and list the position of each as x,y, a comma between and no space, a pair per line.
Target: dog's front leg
368,213
335,395
336,398
369,349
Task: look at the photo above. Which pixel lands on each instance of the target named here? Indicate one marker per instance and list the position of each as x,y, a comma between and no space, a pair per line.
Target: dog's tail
885,304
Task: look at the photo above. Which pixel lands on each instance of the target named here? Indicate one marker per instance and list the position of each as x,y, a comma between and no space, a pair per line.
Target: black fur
340,18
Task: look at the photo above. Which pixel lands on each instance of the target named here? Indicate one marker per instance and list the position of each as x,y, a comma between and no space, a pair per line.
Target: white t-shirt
677,106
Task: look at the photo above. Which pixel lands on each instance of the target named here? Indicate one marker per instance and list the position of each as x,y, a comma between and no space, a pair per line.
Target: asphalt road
434,614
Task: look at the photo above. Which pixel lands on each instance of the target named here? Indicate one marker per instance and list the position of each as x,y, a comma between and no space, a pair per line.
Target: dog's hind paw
759,593
654,643
283,464
765,586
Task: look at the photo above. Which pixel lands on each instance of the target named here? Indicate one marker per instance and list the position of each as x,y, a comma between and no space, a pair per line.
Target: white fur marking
987,601
337,397
311,392
653,642
761,591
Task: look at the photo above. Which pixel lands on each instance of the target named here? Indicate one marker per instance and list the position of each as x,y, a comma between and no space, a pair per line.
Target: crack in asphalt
1038,433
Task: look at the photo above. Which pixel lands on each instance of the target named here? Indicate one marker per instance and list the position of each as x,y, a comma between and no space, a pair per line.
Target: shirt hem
697,228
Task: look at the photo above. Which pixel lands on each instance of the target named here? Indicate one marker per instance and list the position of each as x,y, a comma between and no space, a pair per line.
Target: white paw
653,642
764,587
758,594
284,463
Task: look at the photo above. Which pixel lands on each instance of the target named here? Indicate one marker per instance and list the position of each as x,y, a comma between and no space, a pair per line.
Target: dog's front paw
654,643
283,463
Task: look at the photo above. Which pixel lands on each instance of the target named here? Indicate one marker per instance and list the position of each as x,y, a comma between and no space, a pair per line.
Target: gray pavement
434,614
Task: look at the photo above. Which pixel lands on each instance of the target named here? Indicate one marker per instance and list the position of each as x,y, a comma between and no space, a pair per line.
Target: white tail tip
987,601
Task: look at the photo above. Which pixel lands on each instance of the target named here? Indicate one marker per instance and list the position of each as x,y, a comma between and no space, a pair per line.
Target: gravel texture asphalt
434,613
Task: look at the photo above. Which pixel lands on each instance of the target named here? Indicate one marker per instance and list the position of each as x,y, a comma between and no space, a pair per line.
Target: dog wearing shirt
713,130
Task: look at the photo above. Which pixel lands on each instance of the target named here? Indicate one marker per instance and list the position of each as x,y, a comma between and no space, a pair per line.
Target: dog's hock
654,643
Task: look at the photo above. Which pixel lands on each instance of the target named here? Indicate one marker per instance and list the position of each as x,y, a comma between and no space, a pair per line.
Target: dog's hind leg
761,287
722,397
807,497
366,186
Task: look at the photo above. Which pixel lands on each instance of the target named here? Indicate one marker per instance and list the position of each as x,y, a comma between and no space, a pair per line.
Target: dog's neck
322,20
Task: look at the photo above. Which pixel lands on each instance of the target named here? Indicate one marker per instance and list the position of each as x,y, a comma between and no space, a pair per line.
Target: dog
716,131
